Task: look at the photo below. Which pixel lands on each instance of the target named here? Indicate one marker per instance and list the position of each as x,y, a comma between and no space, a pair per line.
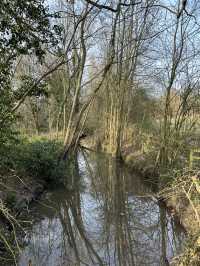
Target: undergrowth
36,157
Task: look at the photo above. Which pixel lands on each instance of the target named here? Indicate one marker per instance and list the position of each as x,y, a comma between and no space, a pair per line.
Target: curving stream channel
107,217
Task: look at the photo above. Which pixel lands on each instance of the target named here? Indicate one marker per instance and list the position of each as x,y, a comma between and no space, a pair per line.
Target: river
105,216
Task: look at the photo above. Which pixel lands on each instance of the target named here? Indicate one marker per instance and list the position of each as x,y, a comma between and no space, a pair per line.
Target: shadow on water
107,218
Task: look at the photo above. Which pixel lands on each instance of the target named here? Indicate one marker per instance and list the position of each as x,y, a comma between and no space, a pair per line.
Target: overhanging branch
109,8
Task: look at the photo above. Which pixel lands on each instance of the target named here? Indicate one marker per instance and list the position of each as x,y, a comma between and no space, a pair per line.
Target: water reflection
108,218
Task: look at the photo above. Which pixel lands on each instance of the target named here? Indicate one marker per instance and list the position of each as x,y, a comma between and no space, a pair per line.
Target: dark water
107,218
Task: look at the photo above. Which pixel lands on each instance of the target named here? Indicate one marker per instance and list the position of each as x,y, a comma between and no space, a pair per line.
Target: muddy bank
19,192
16,196
141,163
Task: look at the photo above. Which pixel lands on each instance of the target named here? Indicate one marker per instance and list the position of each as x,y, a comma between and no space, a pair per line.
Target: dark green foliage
35,158
26,27
8,143
10,199
5,106
40,159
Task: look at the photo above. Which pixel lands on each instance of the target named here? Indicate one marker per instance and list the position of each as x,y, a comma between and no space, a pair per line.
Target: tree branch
109,8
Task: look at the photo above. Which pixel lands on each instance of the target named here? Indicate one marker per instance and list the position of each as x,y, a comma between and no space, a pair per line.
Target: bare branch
109,8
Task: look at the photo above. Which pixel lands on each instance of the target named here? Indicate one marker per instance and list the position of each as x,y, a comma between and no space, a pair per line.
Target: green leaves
25,28
39,158
36,158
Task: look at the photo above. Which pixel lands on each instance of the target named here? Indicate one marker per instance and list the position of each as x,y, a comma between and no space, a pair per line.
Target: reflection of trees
64,236
134,228
73,228
112,221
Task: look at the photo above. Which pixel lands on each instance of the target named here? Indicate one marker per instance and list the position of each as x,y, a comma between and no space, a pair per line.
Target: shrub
39,159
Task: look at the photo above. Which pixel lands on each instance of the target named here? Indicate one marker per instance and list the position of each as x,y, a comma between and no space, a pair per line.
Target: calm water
107,218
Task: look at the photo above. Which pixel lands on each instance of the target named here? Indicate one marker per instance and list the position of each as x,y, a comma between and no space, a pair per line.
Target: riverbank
28,167
143,163
182,197
16,197
20,191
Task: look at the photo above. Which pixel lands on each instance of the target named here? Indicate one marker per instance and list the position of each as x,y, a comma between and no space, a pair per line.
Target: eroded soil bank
17,194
